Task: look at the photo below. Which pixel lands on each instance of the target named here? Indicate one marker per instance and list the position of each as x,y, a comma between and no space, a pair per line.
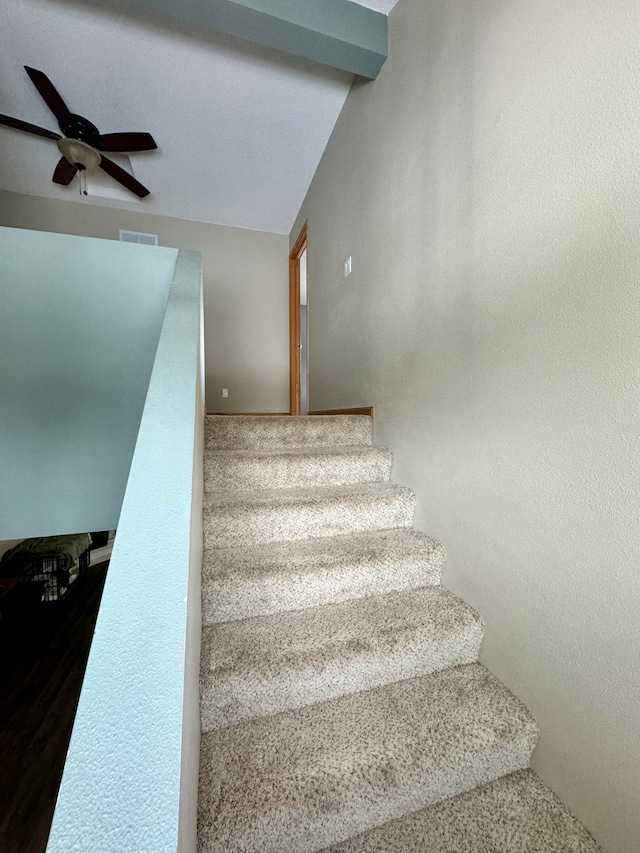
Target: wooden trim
360,410
294,321
294,336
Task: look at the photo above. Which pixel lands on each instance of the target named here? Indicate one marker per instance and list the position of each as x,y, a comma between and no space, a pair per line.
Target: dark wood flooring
43,655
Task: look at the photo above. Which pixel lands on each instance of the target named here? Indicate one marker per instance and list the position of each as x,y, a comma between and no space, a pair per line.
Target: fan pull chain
82,182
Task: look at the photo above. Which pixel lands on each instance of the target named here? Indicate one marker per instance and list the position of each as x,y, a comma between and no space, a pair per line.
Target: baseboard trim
359,410
101,555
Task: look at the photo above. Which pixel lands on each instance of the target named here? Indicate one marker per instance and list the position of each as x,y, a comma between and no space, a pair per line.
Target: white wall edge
190,766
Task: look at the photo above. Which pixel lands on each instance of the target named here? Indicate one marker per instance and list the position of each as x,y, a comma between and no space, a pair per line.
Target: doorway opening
299,326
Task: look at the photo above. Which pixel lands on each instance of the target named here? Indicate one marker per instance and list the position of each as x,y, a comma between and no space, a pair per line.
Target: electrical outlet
225,392
347,266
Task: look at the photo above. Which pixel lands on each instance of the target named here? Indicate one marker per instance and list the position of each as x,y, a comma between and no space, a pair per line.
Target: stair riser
224,602
232,472
229,700
268,433
254,524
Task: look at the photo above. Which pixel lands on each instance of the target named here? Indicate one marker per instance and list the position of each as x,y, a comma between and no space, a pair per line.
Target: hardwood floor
43,655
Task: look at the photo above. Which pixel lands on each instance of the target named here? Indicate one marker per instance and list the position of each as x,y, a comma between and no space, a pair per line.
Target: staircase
342,704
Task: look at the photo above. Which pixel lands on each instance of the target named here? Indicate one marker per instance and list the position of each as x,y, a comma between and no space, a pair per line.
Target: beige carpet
342,705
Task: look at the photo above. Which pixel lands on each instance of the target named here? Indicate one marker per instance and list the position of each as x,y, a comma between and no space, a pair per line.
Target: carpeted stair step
270,664
268,433
272,515
256,581
298,467
517,813
309,778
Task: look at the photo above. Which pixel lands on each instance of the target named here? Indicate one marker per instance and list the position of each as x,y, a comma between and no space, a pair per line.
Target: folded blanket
68,547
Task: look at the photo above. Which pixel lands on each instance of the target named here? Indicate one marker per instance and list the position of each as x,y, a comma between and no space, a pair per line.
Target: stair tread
281,430
517,812
271,515
284,467
307,496
280,576
307,555
272,663
317,775
294,451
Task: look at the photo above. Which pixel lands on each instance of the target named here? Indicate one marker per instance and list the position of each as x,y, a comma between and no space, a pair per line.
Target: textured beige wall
487,188
246,291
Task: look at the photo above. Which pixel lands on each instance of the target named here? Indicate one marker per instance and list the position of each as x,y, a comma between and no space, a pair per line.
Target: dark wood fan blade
64,172
29,128
123,177
49,94
127,142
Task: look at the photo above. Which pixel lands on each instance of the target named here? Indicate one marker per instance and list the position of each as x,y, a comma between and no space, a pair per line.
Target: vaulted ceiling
240,127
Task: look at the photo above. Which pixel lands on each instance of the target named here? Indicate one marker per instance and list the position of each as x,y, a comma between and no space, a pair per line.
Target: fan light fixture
79,154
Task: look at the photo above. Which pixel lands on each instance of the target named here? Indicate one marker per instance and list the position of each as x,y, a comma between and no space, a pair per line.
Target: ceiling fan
82,144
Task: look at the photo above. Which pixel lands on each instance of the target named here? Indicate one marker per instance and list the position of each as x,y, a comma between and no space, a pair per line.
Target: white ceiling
240,128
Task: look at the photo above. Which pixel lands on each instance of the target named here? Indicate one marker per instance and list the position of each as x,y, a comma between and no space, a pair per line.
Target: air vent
138,237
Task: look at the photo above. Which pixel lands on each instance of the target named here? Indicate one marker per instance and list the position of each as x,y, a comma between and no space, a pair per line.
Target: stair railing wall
130,779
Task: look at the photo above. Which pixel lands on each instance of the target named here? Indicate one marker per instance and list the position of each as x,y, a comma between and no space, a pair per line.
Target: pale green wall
79,327
333,32
486,187
246,291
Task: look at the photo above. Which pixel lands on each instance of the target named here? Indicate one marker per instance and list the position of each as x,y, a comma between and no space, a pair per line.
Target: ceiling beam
333,32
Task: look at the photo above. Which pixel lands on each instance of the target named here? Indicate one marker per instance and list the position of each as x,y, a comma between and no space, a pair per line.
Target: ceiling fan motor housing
81,128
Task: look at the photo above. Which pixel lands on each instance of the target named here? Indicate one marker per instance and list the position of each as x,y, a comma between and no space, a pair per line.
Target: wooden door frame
295,340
